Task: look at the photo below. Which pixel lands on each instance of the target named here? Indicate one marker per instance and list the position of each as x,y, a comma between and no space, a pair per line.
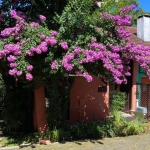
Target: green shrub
135,127
120,126
117,101
18,110
117,126
85,130
124,128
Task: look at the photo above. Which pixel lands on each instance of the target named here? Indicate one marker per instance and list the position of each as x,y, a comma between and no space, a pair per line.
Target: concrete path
138,142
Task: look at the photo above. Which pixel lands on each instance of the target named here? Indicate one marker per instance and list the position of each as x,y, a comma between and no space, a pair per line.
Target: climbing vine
58,90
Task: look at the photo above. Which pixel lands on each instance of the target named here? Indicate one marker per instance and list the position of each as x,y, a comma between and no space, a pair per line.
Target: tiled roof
134,37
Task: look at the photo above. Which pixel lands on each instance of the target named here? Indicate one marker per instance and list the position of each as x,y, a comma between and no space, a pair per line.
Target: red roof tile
134,37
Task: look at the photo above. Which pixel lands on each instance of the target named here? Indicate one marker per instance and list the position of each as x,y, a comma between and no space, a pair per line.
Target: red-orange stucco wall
145,80
40,122
134,81
86,103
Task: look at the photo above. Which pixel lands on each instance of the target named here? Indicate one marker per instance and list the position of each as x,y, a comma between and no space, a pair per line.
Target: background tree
31,8
138,12
113,7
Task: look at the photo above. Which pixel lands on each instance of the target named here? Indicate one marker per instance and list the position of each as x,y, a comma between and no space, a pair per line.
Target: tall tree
31,8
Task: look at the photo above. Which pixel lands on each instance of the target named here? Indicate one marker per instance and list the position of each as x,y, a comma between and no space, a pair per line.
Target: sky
145,4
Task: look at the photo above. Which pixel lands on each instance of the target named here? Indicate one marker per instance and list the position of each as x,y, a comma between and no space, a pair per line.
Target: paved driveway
138,142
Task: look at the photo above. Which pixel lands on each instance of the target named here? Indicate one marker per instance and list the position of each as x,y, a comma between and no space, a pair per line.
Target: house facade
90,101
140,82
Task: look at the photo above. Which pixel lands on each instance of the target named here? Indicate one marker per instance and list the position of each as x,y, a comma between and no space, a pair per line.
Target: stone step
128,117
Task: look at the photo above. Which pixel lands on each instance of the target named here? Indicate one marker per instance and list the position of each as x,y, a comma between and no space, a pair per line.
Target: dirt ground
138,142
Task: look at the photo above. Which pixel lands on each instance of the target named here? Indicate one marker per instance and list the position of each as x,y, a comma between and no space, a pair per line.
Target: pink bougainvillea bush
100,44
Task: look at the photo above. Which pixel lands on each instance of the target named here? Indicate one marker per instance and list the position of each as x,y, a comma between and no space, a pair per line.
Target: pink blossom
12,72
13,14
38,51
127,9
29,53
19,73
54,33
34,24
29,76
13,65
43,47
30,68
64,45
77,50
87,77
54,65
51,41
11,58
32,49
42,18
42,37
67,61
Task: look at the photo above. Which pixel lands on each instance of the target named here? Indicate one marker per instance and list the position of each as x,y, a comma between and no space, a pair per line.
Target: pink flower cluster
122,20
12,48
115,57
117,19
111,60
34,24
77,50
30,68
54,65
29,76
11,58
114,64
43,46
38,50
42,37
42,18
14,71
64,45
139,54
91,56
115,49
67,61
51,41
87,77
123,33
14,31
14,15
54,33
127,9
